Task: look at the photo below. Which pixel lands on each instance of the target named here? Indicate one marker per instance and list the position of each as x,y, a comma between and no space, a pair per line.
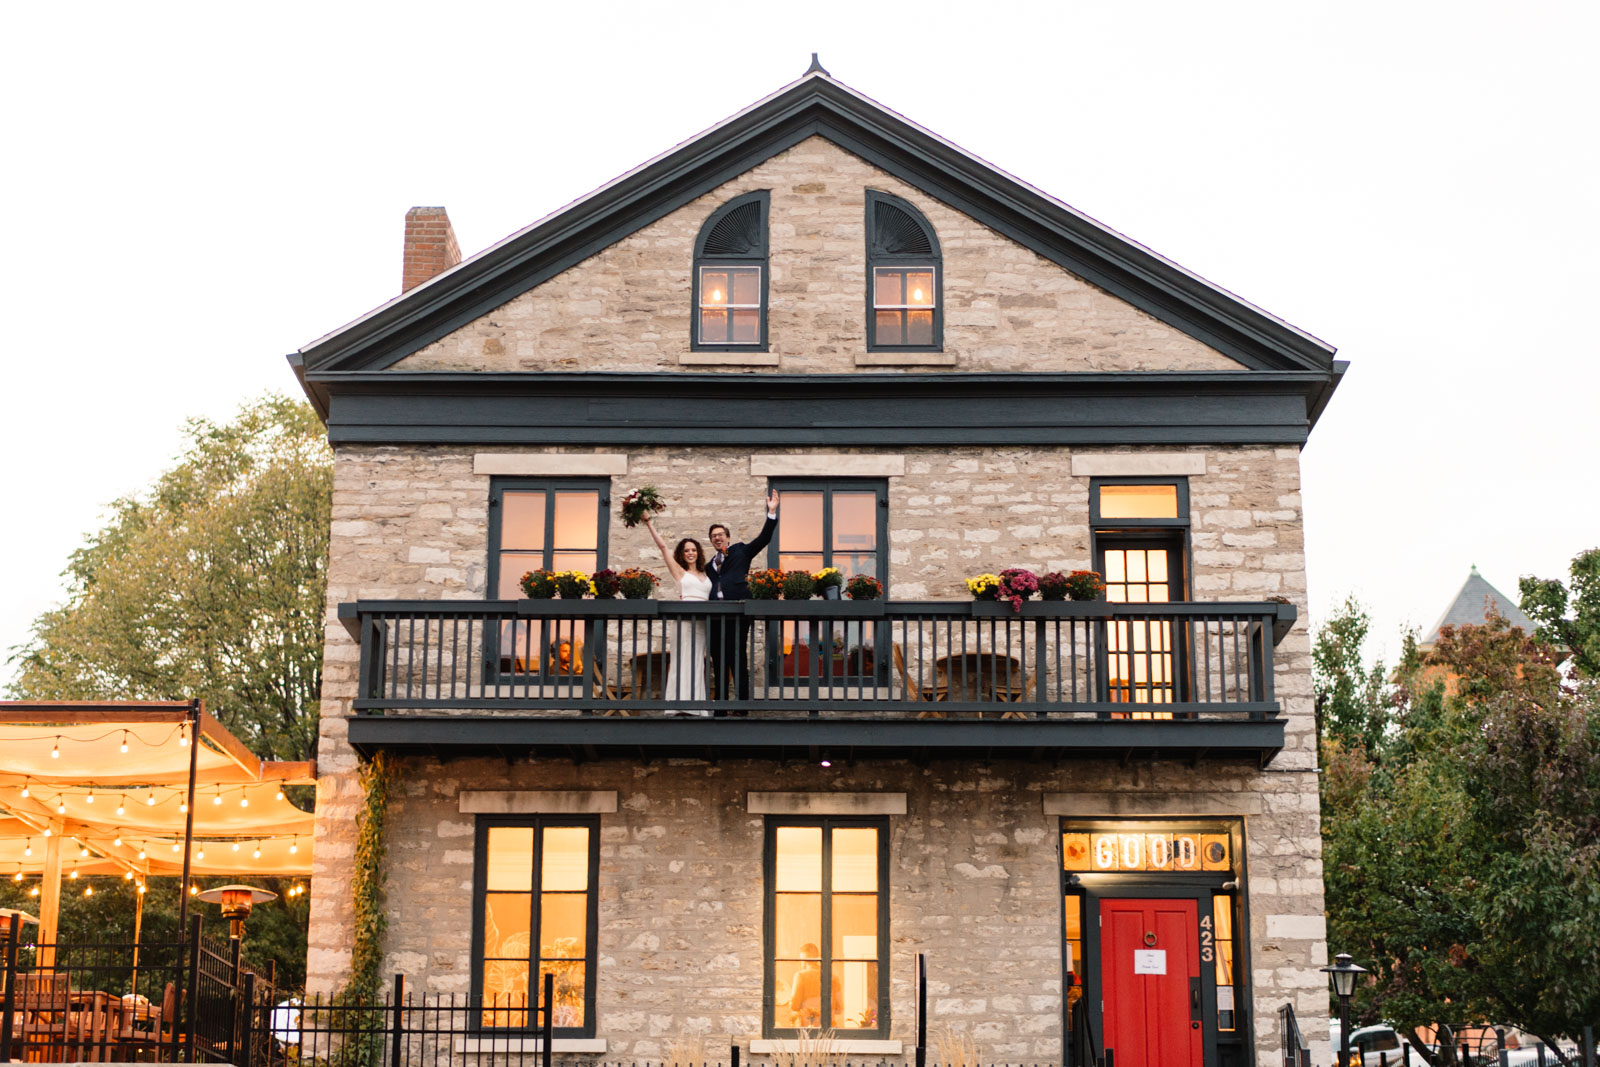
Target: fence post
549,1018
235,956
1588,1046
397,1031
735,1058
1500,1041
8,1018
190,994
922,1010
247,1031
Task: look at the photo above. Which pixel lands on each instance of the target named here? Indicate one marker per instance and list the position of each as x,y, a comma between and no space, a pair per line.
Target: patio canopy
106,788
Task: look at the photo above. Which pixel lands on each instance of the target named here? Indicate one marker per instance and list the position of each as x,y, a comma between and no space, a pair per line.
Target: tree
1546,602
1349,695
1462,851
210,585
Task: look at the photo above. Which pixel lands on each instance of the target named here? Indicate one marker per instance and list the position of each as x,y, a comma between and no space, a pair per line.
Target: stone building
1097,821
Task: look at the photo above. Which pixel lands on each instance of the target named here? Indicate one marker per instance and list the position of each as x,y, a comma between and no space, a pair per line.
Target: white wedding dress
686,674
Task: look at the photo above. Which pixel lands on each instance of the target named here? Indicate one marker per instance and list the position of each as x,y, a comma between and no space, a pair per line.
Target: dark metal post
247,1029
922,1010
735,1060
1500,1040
9,1015
1110,1059
188,824
1344,1030
1588,1046
397,1029
549,1018
189,994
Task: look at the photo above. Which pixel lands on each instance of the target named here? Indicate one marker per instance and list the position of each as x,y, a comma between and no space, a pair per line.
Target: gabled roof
815,105
1473,606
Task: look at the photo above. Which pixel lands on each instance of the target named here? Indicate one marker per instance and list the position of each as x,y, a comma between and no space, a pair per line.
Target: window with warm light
730,277
903,305
827,927
535,913
1139,527
544,524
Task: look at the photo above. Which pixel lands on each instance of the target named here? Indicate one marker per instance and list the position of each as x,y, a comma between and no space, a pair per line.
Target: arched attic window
905,283
730,278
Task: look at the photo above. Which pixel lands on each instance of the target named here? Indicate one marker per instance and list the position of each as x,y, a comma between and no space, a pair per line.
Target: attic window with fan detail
904,286
730,277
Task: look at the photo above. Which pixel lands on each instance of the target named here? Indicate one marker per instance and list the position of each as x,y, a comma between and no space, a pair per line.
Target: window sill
508,1045
845,1045
905,359
728,359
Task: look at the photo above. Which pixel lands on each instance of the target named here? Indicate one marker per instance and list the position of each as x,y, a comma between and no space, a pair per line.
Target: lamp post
1343,975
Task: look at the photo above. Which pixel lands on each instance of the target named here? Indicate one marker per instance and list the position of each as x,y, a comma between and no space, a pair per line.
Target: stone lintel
826,465
1102,805
827,804
538,802
847,1045
1137,464
551,464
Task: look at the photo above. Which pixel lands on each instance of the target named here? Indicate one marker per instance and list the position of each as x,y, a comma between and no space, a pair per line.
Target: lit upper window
730,276
903,258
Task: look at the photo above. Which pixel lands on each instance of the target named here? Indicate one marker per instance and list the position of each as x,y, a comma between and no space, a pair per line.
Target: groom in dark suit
729,571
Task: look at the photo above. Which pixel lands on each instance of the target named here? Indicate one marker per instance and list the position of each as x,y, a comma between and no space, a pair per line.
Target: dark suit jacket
732,580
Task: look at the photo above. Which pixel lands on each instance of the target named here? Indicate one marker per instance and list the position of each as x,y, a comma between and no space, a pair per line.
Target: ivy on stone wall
367,883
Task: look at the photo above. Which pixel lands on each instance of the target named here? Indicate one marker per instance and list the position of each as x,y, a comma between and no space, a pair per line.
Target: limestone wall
627,308
412,523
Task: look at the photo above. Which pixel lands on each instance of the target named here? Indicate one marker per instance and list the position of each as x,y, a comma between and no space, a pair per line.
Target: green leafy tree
1350,698
1460,852
210,585
1569,618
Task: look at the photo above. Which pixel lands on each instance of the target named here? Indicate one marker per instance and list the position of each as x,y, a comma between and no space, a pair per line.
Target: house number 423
1207,951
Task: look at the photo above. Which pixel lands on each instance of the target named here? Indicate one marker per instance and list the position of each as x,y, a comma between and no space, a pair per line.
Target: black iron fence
820,658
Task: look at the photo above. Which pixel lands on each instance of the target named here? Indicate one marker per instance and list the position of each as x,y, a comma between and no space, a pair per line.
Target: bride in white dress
686,639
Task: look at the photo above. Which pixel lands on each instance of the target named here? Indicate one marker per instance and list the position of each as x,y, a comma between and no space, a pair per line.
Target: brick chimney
430,246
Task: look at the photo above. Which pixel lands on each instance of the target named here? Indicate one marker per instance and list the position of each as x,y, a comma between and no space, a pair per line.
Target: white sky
195,190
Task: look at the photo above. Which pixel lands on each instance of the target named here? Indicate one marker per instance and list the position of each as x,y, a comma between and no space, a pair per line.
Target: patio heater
236,901
1343,975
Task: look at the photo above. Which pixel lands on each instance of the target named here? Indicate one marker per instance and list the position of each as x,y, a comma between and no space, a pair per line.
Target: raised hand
772,501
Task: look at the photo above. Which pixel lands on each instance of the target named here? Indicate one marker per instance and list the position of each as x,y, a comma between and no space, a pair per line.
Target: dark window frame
769,860
1104,532
480,879
498,486
828,486
877,257
757,257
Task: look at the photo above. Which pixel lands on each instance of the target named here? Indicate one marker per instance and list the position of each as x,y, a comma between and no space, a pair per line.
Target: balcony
592,679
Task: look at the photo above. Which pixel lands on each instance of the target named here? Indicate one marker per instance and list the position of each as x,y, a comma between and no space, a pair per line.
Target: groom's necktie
718,561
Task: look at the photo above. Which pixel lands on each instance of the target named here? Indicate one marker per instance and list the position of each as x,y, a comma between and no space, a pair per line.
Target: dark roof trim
817,105
1218,407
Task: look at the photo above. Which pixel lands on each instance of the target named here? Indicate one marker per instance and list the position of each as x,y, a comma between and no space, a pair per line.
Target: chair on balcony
915,690
43,1015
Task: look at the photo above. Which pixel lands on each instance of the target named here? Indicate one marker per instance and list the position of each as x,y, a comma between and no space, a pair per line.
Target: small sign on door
1150,961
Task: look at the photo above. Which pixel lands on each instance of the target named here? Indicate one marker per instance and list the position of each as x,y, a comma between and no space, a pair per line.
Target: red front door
1150,972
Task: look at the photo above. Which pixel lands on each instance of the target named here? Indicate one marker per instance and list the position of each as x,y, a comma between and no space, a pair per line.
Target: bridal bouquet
640,505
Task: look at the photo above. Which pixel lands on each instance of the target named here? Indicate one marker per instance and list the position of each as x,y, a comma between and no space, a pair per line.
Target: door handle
1194,999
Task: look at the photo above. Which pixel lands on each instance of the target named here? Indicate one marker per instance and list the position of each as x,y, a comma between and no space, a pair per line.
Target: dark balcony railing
822,659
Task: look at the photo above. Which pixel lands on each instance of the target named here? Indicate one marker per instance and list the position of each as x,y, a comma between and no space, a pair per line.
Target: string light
183,736
55,752
141,887
122,806
236,846
24,787
150,800
141,853
48,831
28,849
90,798
88,890
117,840
18,876
34,891
218,798
200,855
127,876
175,846
84,853
294,846
193,890
280,793
61,806
74,874
183,807
244,801
258,850
124,742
